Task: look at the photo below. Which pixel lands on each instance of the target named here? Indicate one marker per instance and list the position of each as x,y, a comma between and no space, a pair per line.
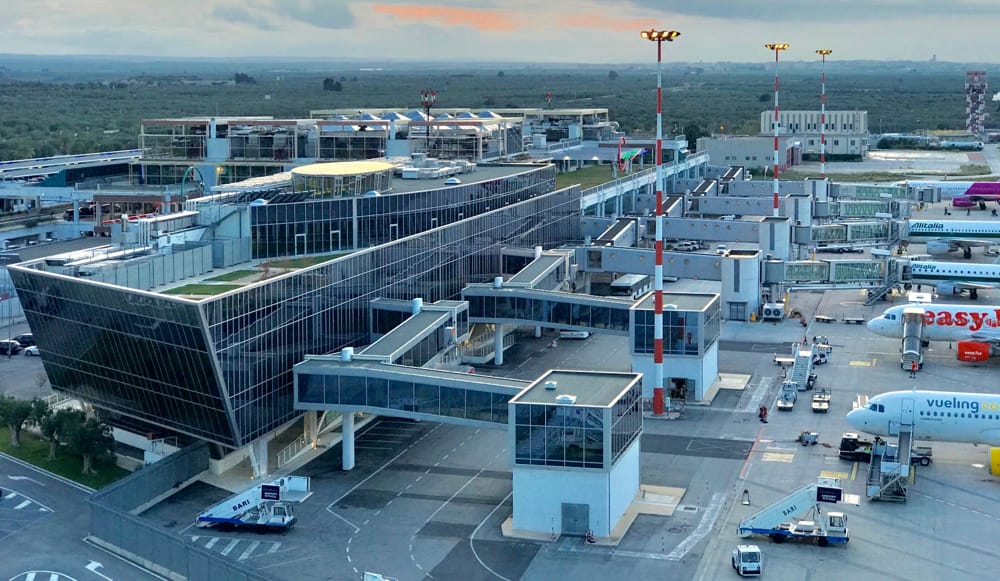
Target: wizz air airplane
943,416
952,278
944,236
952,189
975,328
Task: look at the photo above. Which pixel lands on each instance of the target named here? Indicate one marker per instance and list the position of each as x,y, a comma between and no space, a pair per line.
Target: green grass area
968,170
587,177
230,276
303,262
202,289
35,451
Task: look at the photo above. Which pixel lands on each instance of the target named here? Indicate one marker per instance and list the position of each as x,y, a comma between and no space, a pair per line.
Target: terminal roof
390,343
591,388
684,301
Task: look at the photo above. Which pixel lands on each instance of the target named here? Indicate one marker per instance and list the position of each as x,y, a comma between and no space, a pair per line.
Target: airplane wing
987,336
968,243
972,285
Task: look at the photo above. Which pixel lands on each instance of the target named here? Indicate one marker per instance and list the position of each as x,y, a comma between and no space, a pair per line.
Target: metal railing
286,454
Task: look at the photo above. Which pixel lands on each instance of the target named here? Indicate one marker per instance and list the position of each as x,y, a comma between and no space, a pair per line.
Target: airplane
973,200
944,236
952,278
943,416
975,328
952,189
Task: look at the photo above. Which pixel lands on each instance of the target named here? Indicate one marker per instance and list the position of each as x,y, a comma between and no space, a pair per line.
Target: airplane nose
856,419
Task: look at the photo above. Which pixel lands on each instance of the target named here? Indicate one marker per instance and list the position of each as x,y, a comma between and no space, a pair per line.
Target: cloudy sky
504,30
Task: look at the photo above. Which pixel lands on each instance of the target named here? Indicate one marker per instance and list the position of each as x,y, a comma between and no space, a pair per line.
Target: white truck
263,507
747,560
799,516
789,393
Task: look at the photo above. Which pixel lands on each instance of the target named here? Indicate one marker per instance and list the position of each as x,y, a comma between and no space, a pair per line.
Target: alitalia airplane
943,416
975,328
951,278
944,236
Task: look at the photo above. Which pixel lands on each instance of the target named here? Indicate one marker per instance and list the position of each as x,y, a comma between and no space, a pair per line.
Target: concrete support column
498,345
347,441
258,457
310,423
538,331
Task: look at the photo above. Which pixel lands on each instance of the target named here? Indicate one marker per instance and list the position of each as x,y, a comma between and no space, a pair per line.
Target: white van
574,334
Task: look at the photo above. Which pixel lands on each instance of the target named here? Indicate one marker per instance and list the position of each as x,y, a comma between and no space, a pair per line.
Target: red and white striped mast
658,36
822,114
777,47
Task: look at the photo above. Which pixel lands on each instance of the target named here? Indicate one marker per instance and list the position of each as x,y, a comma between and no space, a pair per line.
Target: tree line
81,434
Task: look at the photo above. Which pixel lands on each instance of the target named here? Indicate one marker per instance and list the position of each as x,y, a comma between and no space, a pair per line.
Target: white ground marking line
23,495
194,538
364,524
211,543
472,537
958,506
22,505
246,554
229,548
704,527
274,547
355,570
329,507
759,392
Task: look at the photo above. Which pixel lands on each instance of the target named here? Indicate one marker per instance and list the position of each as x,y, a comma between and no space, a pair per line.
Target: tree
330,84
54,427
692,132
764,97
612,75
244,79
89,438
500,74
15,412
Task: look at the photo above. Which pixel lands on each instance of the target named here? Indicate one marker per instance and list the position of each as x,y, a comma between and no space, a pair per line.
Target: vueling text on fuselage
964,404
974,320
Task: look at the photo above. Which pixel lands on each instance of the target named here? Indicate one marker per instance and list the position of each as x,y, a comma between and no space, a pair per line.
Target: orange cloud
477,18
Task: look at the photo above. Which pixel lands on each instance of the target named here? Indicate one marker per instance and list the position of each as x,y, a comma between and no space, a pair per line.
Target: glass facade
557,435
572,312
221,369
336,224
377,393
626,421
134,353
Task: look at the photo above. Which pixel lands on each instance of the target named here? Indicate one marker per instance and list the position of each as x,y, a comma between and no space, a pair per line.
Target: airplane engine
973,351
936,248
947,288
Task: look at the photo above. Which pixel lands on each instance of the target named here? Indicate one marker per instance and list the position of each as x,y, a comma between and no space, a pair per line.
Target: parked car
25,339
9,347
32,351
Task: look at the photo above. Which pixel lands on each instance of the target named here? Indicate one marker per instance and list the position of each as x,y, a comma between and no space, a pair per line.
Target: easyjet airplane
975,328
943,416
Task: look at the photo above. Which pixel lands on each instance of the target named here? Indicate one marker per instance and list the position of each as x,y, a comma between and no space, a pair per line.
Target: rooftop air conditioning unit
566,399
772,311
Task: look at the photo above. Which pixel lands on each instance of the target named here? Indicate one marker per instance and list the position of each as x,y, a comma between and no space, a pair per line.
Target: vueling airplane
975,328
943,416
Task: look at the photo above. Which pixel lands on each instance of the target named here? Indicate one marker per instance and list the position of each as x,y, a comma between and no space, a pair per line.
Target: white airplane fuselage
941,416
941,322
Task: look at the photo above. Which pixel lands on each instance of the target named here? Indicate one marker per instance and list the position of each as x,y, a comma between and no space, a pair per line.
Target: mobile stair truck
263,507
780,522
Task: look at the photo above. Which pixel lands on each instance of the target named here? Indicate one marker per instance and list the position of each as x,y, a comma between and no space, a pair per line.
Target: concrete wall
641,261
714,230
159,270
625,480
539,492
703,370
748,151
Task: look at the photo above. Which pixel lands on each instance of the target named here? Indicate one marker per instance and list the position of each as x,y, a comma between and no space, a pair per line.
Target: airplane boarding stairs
912,347
802,367
889,469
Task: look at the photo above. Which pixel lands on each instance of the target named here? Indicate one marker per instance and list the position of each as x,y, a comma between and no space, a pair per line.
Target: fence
114,526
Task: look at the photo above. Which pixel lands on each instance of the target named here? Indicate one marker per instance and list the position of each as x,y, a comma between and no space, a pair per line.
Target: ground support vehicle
821,401
747,560
263,507
789,393
780,523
